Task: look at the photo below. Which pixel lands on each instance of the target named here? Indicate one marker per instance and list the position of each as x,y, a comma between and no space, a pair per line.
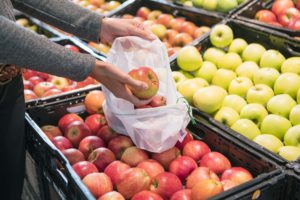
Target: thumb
136,84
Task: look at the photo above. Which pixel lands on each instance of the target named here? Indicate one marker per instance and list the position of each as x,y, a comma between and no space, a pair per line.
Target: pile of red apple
253,90
284,13
99,6
38,84
112,167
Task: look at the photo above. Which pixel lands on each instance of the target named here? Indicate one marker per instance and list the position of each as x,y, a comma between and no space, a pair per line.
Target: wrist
97,69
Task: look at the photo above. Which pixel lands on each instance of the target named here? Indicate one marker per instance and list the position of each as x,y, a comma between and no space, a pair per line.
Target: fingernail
152,36
144,86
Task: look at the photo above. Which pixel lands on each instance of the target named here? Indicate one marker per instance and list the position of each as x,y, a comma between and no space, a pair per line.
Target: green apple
187,75
287,83
188,3
188,88
223,77
197,3
210,4
295,115
237,45
281,104
290,153
298,96
272,58
253,52
178,77
226,5
259,93
206,71
234,101
292,136
269,142
221,36
240,86
227,116
247,69
291,65
189,58
241,1
275,125
255,112
159,30
209,99
266,76
23,22
213,55
247,128
230,61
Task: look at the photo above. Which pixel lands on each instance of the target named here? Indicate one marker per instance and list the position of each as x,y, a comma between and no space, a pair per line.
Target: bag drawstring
190,113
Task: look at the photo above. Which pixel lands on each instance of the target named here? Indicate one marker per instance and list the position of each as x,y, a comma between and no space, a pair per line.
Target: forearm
29,50
65,15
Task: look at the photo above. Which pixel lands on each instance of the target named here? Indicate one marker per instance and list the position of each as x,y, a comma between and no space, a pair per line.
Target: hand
112,28
116,81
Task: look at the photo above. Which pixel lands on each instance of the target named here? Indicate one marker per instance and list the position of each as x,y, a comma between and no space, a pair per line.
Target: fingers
140,30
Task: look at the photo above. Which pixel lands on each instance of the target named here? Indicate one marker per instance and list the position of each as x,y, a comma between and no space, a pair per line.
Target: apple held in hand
290,153
275,125
205,189
270,142
189,58
281,104
216,162
246,127
227,116
234,101
292,136
199,174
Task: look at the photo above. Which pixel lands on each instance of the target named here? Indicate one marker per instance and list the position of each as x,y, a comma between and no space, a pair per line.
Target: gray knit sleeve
65,15
30,50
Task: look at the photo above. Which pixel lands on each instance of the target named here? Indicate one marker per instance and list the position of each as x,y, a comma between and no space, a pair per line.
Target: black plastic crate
247,14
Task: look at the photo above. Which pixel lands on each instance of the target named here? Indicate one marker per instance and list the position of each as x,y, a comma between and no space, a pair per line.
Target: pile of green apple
27,24
254,91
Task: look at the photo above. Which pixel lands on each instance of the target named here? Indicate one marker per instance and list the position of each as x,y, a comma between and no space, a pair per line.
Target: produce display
253,90
99,6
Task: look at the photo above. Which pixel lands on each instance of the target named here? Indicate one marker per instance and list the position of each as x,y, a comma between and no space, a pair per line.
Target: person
21,48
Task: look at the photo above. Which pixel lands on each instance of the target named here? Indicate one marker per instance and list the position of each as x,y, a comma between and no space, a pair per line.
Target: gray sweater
26,49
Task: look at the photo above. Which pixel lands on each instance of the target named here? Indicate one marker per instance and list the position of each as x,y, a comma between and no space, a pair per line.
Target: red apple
166,157
196,149
67,119
199,174
73,155
228,184
101,157
280,6
72,48
148,76
89,144
170,35
59,82
158,100
76,131
132,181
51,131
274,24
216,161
176,23
29,95
35,80
98,183
143,12
182,167
27,84
42,87
206,189
113,195
93,101
88,81
146,195
153,15
115,169
27,73
297,2
84,168
295,24
71,87
127,16
165,19
237,174
265,16
133,156
61,143
188,137
152,167
97,3
95,122
184,194
188,27
182,39
165,184
43,75
119,144
199,32
286,17
106,133
51,92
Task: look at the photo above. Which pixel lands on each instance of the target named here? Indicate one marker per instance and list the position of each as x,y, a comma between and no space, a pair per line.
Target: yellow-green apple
227,116
133,156
216,162
201,173
281,104
151,167
253,52
23,22
290,153
51,131
230,61
61,142
84,168
266,76
239,175
188,27
206,71
67,119
98,183
213,55
115,169
178,77
101,157
268,141
111,5
97,2
226,5
106,133
209,99
165,19
182,194
234,101
247,69
143,195
159,30
76,131
246,127
143,12
259,93
197,3
210,4
195,149
113,195
51,92
291,65
166,157
200,31
188,75
73,155
59,82
42,87
119,144
237,45
298,96
89,143
153,15
188,88
272,58
295,115
221,35
189,58
95,122
292,136
255,112
182,167
240,86
287,83
223,78
206,189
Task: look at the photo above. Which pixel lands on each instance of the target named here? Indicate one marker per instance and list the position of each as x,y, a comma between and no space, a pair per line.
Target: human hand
116,81
112,28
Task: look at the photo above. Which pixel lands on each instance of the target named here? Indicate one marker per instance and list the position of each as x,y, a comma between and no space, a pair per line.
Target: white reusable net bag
153,129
